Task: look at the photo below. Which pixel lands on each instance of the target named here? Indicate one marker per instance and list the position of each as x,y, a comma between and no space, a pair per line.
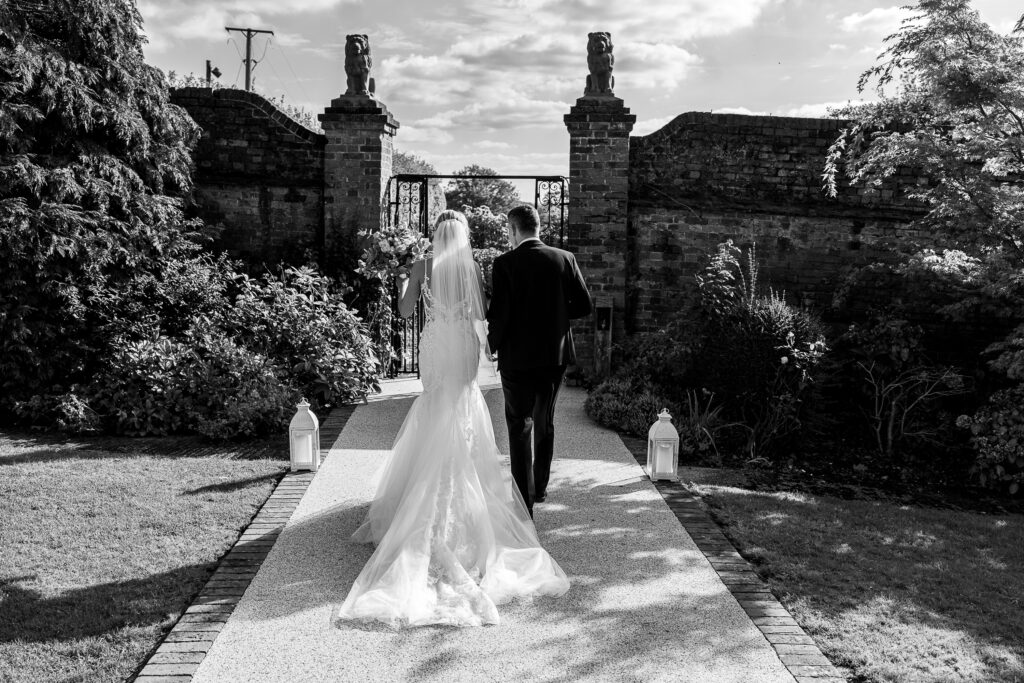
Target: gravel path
644,605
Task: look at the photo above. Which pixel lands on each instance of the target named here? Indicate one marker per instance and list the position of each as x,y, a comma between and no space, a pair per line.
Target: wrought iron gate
407,199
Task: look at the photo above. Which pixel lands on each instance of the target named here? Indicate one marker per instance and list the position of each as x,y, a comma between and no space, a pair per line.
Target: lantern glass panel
663,458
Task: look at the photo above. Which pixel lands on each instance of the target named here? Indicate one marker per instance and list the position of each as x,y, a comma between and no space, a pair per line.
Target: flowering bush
390,253
759,353
387,259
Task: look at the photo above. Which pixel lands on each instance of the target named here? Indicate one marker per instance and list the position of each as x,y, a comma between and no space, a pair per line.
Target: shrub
623,405
662,358
143,388
759,353
206,383
304,328
997,435
887,365
234,391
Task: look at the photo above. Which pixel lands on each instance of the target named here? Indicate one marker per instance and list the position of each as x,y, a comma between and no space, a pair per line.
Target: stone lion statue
357,65
601,62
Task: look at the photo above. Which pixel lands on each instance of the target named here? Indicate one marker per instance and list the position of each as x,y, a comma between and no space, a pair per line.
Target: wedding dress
454,538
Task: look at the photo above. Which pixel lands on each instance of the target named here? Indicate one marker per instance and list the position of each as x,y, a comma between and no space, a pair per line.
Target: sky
487,81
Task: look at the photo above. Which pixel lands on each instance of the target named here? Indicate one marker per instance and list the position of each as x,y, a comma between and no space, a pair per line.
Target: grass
890,592
105,542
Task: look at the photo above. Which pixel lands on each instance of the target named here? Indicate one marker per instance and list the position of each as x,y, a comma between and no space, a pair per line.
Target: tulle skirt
454,538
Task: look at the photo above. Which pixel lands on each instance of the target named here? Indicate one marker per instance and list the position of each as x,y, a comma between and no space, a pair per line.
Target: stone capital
608,109
362,109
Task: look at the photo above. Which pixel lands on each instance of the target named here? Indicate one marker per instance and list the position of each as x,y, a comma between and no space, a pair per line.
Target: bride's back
453,297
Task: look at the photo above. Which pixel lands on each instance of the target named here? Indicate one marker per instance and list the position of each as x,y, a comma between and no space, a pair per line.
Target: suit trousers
530,395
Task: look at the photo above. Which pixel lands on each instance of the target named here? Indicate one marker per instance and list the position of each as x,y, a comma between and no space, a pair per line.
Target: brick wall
599,128
259,173
705,178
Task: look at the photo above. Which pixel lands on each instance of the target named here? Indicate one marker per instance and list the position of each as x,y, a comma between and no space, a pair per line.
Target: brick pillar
357,164
599,127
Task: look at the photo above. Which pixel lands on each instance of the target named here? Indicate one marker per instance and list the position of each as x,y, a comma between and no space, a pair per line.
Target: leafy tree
407,162
497,195
956,120
94,163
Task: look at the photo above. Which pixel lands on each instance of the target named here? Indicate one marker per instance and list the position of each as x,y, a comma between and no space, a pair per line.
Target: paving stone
775,621
759,603
210,609
184,646
772,628
176,636
805,659
176,657
794,649
814,671
170,669
766,612
198,627
207,599
203,618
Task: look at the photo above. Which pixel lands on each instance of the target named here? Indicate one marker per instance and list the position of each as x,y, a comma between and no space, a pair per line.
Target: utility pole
211,71
249,33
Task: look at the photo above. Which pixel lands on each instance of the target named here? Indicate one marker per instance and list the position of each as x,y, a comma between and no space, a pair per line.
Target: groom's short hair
525,219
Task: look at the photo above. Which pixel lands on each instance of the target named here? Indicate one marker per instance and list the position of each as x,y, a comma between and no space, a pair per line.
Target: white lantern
304,435
663,449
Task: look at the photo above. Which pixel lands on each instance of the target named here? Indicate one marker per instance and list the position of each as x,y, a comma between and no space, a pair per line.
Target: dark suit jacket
536,289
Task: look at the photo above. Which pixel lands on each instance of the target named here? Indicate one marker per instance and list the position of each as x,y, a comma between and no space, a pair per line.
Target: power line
256,62
249,33
294,75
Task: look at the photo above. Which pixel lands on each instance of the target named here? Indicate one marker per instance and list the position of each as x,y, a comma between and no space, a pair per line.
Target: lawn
890,591
105,542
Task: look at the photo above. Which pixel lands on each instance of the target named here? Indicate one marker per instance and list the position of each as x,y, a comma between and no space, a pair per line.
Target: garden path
645,604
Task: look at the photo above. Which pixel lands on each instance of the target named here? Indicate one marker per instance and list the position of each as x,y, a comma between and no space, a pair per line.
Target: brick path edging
796,650
182,650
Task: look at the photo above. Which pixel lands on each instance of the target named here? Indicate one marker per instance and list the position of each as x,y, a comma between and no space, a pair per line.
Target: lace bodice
449,346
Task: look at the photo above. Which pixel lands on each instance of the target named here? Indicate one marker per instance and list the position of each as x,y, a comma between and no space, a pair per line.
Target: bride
454,538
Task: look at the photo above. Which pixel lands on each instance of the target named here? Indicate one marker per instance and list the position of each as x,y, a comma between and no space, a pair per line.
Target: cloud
532,163
819,109
289,39
499,110
672,65
493,144
739,110
648,126
878,20
175,20
420,133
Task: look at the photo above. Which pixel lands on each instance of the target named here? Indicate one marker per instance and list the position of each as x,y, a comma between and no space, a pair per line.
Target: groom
537,289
